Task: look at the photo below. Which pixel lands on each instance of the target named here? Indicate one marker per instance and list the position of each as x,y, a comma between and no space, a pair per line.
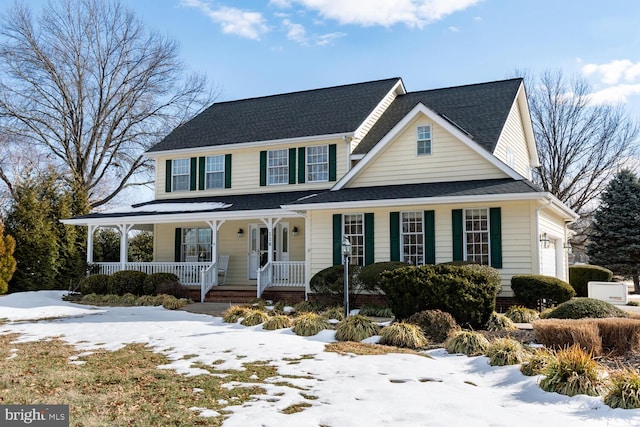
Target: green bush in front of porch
126,281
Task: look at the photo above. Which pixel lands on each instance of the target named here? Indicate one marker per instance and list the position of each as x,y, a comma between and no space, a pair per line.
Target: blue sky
254,48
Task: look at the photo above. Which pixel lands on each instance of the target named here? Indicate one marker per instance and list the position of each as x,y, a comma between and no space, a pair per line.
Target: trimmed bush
308,324
330,281
536,363
436,324
572,371
466,342
535,291
581,275
126,281
506,351
520,314
160,283
254,317
468,292
370,274
499,322
403,334
556,333
279,321
356,328
335,312
625,390
234,313
95,284
580,308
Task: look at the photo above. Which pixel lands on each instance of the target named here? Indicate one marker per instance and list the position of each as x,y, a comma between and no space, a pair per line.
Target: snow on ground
390,390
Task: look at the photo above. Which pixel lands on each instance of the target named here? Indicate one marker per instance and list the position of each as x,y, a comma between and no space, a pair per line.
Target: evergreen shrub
95,284
330,281
436,324
126,281
162,283
535,291
468,292
370,274
581,275
580,308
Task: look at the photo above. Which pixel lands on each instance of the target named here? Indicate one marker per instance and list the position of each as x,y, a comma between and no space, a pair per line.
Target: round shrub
234,313
403,334
581,275
506,351
126,281
308,324
466,342
520,314
160,283
370,274
95,284
535,291
580,308
625,390
436,324
356,328
279,321
499,322
254,317
572,371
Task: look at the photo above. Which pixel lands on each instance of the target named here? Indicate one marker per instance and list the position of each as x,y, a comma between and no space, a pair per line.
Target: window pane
277,167
412,239
214,172
476,235
317,163
180,175
354,231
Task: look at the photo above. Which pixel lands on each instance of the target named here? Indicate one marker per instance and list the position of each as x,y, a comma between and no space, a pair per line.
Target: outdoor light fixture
567,246
240,232
346,253
544,239
294,231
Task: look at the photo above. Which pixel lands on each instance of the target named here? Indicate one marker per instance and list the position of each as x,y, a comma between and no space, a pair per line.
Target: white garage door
549,259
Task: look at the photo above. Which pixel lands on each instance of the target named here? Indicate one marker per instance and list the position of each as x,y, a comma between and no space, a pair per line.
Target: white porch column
270,223
124,244
90,232
215,227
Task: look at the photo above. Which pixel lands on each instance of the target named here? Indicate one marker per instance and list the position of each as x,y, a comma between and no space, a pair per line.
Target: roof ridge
463,86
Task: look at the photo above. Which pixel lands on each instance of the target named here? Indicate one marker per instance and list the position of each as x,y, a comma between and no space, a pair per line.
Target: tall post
346,286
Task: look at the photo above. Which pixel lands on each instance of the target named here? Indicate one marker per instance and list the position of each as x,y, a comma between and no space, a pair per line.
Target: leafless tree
89,88
581,144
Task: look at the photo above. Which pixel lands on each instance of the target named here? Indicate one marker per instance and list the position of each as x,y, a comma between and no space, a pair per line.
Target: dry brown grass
619,335
364,349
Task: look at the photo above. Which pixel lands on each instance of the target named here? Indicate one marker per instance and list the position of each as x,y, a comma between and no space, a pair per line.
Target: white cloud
386,13
614,71
327,39
247,24
454,29
296,32
615,94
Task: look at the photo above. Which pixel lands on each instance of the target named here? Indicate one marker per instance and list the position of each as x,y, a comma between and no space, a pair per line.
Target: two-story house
258,194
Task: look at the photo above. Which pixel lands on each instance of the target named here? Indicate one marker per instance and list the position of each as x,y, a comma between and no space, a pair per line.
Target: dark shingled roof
480,110
339,109
415,191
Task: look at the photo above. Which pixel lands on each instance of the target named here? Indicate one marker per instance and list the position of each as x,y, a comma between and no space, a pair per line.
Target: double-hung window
214,172
317,163
424,142
412,237
196,244
180,174
353,229
277,167
476,235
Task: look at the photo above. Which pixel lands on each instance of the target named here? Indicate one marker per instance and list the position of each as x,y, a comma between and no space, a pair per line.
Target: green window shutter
178,245
495,237
332,162
292,165
192,174
201,170
167,182
263,168
458,241
227,171
394,234
302,163
429,237
369,248
337,239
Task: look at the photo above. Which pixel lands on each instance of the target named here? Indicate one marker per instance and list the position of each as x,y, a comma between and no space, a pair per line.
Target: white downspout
538,247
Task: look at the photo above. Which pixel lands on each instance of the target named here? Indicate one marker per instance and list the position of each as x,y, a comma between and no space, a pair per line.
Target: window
180,174
424,140
196,244
476,235
278,167
214,172
318,163
412,238
353,229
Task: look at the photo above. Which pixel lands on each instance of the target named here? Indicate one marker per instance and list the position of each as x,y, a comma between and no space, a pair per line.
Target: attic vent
460,128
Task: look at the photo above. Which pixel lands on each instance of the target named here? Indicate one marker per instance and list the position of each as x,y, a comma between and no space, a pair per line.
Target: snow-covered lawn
389,390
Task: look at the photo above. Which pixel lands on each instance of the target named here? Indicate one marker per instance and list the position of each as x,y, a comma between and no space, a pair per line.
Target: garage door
549,259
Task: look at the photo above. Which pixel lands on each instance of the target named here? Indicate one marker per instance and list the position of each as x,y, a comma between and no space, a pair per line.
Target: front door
259,246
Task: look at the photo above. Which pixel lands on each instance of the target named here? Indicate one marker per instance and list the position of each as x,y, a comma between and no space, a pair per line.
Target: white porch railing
188,272
281,274
208,279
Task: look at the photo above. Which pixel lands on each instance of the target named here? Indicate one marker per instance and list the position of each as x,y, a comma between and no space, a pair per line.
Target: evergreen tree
615,233
106,245
7,261
141,247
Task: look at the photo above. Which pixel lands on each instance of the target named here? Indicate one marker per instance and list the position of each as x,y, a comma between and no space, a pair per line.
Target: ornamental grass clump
356,328
375,310
506,351
234,313
499,322
253,317
172,303
308,324
572,371
466,342
403,334
335,312
536,363
521,314
307,307
279,321
625,390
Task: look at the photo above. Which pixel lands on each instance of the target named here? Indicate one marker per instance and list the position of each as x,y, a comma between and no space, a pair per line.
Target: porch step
244,294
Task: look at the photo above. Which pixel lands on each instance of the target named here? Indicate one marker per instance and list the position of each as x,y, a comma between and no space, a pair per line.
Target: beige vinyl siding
245,177
554,226
451,160
513,138
517,230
